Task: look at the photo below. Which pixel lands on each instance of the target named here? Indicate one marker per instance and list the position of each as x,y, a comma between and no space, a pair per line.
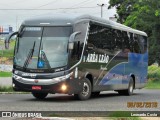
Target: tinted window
31,32
57,31
102,37
136,46
143,43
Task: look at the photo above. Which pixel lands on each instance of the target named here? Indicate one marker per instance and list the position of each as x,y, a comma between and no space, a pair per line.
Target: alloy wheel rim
131,88
85,89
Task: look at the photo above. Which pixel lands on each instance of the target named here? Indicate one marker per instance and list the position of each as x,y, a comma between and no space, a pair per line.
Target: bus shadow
56,98
110,95
71,98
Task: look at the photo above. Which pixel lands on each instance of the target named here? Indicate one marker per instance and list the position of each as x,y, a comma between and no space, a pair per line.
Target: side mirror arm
7,39
71,39
73,35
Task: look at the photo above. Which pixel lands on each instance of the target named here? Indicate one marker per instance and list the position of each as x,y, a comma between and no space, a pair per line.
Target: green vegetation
10,90
143,15
12,43
154,84
7,53
1,42
123,115
6,56
153,77
120,114
5,74
6,89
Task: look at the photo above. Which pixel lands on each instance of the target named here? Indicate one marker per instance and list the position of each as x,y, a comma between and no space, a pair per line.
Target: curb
14,92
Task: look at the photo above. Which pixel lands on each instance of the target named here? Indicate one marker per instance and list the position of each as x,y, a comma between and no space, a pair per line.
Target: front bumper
74,86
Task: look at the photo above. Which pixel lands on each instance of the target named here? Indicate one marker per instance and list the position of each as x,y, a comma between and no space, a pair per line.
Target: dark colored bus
80,55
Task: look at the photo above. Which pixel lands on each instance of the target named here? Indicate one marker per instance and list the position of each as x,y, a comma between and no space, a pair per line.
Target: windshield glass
42,47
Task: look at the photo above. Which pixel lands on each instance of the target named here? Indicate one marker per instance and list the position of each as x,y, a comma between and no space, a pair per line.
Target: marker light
13,85
63,87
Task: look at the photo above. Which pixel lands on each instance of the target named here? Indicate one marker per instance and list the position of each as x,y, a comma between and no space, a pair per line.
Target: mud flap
76,86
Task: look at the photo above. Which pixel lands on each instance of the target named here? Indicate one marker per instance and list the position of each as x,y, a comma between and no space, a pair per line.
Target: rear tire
128,91
86,92
39,95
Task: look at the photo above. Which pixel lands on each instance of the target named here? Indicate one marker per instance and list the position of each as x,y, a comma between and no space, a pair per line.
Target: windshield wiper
30,54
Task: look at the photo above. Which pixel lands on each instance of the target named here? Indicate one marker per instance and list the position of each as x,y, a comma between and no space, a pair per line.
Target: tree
144,15
124,8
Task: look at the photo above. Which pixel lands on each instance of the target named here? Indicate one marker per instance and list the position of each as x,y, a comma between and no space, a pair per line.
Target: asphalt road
107,101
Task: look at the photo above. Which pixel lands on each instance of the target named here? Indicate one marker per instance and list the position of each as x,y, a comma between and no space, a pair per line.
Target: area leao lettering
100,58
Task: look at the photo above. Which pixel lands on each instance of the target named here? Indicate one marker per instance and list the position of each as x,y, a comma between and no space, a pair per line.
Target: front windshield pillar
79,43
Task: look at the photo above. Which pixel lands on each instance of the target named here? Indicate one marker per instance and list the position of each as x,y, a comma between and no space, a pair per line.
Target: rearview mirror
71,40
7,39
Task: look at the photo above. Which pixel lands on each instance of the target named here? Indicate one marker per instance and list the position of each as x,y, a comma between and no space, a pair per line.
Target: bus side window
107,39
76,50
118,39
94,39
136,47
131,41
143,43
126,44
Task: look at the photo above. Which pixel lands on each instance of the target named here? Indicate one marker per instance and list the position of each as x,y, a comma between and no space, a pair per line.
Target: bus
79,55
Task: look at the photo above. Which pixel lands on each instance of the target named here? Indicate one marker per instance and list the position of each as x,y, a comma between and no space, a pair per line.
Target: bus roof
71,19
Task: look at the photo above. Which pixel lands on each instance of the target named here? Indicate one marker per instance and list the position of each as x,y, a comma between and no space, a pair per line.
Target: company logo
6,114
36,81
99,58
29,74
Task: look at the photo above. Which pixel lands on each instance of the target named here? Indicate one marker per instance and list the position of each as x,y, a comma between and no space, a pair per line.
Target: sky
9,16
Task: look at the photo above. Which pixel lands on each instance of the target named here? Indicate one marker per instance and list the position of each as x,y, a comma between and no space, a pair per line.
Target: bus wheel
128,91
130,87
39,95
86,92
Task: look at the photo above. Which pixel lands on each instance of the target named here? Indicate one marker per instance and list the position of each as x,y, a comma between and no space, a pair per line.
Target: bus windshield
42,47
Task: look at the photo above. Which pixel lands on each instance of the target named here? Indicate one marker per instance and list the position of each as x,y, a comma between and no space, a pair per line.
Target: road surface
107,101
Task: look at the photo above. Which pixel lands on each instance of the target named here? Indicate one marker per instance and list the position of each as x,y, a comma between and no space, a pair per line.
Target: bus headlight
16,77
63,87
13,85
62,78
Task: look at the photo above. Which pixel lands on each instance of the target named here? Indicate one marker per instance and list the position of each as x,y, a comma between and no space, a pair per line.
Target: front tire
39,95
86,92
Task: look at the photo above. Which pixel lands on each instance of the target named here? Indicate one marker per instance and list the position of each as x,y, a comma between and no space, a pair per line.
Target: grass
153,84
6,89
10,90
1,42
123,115
6,56
153,77
5,74
12,42
7,53
115,115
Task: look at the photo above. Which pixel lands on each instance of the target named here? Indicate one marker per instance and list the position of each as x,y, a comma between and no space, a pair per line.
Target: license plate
36,87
